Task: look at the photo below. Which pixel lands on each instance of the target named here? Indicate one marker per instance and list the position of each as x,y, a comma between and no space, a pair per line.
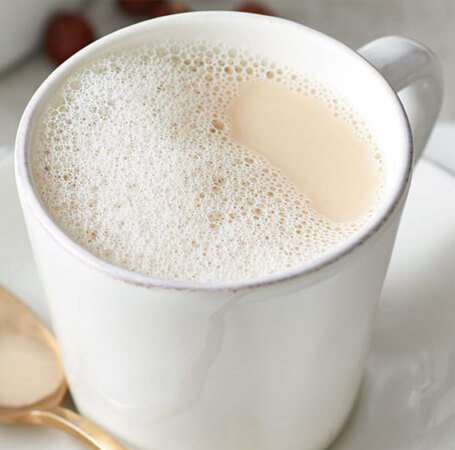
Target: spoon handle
71,423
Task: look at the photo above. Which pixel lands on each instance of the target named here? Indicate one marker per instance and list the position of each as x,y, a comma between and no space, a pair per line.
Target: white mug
264,364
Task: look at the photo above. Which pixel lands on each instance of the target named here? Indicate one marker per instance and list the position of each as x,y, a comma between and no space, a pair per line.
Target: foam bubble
133,159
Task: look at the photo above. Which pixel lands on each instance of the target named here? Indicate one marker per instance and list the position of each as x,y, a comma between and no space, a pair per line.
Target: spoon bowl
32,380
21,330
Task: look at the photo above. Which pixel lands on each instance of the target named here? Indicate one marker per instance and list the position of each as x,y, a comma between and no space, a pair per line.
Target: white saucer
407,401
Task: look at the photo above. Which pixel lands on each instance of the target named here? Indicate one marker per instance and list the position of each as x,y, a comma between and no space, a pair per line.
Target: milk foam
133,159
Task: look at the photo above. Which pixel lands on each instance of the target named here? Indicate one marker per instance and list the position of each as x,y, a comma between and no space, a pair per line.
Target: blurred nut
178,7
66,33
136,7
164,8
255,7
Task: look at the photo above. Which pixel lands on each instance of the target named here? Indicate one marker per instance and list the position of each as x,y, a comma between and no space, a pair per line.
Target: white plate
407,400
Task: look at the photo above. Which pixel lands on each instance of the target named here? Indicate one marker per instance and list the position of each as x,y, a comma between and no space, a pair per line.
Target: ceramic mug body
262,364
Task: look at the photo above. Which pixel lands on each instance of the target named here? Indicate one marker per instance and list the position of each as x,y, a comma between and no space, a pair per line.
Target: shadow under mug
265,364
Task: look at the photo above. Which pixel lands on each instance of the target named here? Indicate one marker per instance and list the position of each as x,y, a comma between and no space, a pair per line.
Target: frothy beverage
197,161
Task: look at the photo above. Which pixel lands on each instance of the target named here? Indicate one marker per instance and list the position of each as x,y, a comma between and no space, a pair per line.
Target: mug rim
27,190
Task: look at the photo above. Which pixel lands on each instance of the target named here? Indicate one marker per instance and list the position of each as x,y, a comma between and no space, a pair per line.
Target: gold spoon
32,382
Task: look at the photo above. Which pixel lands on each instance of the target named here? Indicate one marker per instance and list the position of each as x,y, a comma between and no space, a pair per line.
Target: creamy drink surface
197,161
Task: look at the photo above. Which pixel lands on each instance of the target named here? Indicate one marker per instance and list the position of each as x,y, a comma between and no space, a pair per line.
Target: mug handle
415,73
